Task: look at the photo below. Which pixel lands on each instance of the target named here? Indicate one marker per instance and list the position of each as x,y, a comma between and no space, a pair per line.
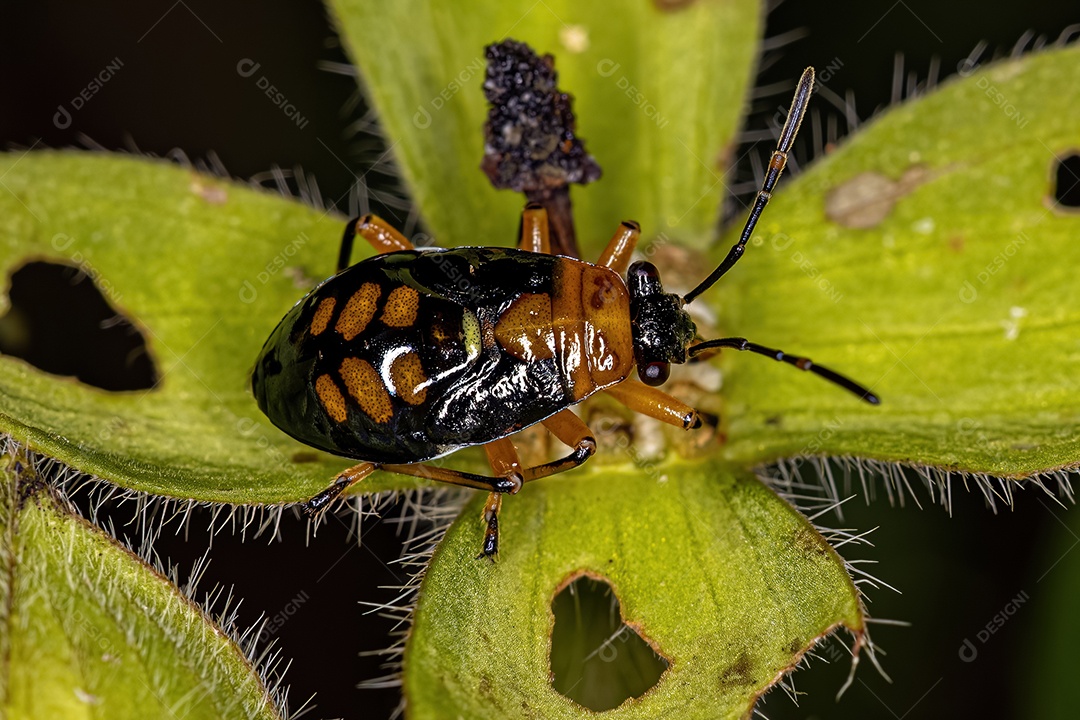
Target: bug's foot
317,504
491,537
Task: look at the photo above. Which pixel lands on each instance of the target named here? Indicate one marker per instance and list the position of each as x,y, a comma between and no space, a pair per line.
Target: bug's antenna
776,166
803,363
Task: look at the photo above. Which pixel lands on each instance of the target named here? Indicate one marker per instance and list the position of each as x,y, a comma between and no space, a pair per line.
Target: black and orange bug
412,354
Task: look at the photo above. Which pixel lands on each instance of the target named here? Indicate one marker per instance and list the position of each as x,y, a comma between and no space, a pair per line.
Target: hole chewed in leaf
1066,175
60,322
597,660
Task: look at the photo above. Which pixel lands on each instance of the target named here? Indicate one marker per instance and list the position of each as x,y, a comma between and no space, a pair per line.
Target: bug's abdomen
411,355
355,367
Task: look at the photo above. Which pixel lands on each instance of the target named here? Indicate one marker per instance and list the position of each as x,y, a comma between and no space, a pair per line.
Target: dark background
178,89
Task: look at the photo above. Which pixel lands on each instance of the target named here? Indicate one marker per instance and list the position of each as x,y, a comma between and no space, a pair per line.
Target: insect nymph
412,354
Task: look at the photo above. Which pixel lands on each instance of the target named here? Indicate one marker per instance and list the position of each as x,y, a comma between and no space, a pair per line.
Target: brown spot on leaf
673,5
211,193
956,243
866,199
809,542
739,674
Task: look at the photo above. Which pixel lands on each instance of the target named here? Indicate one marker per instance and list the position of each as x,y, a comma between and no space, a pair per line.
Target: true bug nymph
412,354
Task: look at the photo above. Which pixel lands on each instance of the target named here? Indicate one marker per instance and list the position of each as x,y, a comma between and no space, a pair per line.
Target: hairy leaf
89,630
659,89
205,269
926,259
721,576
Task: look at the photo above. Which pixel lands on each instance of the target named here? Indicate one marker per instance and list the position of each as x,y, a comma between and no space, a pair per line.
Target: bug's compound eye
654,373
642,278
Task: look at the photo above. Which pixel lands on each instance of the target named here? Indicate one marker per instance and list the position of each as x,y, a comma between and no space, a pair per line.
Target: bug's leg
491,527
534,229
621,246
655,403
505,463
457,477
379,233
572,432
342,482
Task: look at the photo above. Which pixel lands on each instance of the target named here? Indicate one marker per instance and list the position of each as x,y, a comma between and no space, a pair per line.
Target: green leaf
659,97
1051,627
205,269
957,302
725,579
89,630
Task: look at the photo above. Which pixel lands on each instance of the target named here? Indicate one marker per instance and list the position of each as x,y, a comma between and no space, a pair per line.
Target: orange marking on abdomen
524,330
358,311
331,398
408,375
401,307
609,341
322,315
591,320
367,389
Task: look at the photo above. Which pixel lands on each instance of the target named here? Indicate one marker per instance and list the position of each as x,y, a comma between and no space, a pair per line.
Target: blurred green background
178,87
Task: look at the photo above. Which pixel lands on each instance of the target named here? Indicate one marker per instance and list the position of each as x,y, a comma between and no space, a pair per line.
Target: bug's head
662,329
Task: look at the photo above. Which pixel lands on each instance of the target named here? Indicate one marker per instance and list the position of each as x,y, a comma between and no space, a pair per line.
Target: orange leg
572,432
505,462
621,246
457,477
508,478
534,229
646,400
342,482
380,234
502,455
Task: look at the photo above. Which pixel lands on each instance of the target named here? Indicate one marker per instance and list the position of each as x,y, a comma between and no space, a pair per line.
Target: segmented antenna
776,166
803,363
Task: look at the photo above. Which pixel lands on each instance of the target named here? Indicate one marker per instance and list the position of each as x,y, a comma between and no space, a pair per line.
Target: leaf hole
597,660
60,322
1067,181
